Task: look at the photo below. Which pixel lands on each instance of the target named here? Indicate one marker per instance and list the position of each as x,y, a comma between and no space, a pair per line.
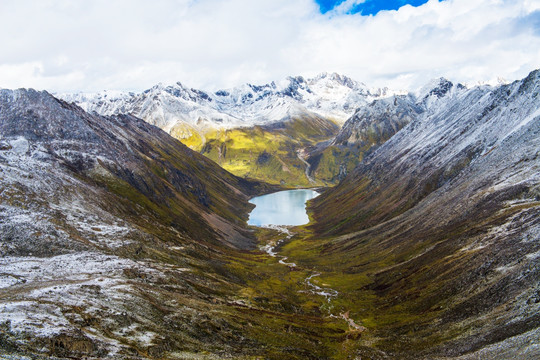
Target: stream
279,211
327,293
302,156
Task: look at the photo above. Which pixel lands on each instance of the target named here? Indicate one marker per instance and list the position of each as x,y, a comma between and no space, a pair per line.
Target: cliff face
443,220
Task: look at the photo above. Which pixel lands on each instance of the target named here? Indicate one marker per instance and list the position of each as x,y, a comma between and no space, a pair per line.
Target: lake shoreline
287,208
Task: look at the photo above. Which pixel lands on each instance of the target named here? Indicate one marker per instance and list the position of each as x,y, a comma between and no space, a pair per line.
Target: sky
131,45
366,7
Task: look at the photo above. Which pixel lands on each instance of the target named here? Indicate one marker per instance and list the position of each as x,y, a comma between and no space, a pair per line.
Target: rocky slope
113,235
439,228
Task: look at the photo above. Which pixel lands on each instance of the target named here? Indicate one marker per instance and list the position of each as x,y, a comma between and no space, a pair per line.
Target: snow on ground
47,285
30,174
50,268
51,293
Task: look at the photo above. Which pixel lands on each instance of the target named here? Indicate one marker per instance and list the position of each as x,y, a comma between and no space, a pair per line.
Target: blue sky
367,7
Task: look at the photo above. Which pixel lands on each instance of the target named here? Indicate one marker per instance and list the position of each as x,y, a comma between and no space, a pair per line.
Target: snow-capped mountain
479,138
379,120
373,124
329,95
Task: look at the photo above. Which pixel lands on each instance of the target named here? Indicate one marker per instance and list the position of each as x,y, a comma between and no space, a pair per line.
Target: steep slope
370,126
113,236
377,121
454,132
436,234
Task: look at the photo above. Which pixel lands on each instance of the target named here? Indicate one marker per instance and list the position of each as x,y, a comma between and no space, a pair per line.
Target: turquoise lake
281,208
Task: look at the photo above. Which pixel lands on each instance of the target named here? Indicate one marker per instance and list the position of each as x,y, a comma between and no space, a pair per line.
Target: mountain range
120,242
260,131
331,96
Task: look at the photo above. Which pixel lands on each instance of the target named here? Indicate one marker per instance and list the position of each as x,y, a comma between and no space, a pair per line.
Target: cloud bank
65,46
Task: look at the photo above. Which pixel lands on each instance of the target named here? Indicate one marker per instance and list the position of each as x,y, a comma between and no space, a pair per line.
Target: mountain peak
37,115
438,87
337,78
329,95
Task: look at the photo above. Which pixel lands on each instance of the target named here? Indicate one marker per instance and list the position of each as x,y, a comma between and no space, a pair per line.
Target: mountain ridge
440,224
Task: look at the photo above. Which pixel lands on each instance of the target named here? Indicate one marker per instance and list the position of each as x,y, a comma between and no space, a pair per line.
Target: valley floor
318,307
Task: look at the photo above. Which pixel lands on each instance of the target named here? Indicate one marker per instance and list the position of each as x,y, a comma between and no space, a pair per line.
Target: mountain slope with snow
441,224
112,235
371,125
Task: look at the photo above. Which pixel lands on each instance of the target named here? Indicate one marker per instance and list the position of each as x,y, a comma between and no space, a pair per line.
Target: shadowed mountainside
114,235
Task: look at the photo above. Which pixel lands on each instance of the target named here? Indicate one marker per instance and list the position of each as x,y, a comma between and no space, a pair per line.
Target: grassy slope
267,153
332,163
417,292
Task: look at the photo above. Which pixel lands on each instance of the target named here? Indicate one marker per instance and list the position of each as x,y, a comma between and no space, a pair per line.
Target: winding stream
328,293
302,156
279,211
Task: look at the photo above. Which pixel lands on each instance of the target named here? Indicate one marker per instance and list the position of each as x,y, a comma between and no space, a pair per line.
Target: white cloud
131,45
345,7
